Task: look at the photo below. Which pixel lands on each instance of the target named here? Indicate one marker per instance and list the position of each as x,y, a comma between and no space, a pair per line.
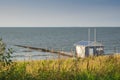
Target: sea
56,38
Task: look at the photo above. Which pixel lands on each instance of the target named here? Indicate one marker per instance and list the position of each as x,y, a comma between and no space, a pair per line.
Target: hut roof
87,43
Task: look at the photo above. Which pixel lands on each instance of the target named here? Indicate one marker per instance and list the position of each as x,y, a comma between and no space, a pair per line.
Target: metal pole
95,41
89,34
95,34
88,41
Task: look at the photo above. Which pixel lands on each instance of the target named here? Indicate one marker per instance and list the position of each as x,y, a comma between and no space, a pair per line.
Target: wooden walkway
46,50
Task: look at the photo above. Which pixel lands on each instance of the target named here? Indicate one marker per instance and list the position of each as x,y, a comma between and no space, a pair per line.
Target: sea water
57,38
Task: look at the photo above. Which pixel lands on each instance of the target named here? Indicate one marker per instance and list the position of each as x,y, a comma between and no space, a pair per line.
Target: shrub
5,54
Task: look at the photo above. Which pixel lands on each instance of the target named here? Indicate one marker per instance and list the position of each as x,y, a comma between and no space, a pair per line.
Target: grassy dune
91,68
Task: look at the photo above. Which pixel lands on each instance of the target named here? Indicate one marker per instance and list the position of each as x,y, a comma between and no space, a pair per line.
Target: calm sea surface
58,38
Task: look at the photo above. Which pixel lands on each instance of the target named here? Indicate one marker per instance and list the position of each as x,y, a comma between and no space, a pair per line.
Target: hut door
91,51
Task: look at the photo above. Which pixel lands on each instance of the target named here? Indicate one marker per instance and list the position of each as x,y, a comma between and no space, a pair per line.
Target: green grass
91,68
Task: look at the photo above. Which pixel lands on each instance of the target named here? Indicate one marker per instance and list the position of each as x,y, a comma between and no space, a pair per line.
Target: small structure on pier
88,48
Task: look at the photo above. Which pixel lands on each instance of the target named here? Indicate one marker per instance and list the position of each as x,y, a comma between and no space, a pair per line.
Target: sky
59,13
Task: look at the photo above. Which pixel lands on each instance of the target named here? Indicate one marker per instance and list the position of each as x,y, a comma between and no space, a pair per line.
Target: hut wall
80,50
97,50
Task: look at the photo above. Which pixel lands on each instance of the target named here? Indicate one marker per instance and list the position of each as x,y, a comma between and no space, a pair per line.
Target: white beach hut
88,48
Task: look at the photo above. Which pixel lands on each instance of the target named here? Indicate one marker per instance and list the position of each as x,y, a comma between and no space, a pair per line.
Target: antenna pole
88,40
89,34
95,35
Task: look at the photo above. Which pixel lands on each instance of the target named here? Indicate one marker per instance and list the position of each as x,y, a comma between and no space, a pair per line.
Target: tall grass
91,68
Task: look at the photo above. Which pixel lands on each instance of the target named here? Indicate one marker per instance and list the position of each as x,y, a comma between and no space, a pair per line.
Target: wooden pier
46,50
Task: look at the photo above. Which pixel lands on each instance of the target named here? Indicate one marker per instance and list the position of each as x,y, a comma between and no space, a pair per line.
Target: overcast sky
59,13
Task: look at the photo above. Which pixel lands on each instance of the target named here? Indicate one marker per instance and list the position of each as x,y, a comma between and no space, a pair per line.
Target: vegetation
91,68
5,54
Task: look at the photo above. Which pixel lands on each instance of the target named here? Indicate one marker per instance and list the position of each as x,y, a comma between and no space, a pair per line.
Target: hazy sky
56,13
